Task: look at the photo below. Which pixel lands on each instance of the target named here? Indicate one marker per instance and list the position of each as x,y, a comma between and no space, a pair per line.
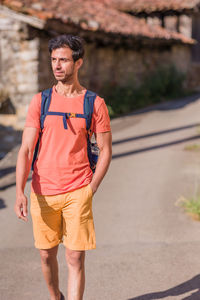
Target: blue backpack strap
88,111
66,116
88,107
45,103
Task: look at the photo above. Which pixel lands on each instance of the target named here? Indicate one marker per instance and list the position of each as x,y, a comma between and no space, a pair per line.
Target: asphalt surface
147,247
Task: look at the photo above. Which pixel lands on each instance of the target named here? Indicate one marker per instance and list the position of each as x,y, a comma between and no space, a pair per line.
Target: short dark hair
75,43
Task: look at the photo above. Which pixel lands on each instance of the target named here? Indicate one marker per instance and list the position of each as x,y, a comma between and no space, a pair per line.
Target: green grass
191,206
192,147
198,130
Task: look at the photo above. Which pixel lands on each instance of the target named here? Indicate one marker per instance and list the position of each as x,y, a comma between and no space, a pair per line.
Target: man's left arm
104,142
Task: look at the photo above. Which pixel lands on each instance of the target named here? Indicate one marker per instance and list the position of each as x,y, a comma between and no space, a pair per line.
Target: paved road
147,248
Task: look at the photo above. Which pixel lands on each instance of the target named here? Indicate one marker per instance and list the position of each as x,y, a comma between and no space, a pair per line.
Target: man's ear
79,63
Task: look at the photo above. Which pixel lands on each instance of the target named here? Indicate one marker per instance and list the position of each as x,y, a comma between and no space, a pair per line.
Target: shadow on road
154,134
6,186
10,138
192,285
6,171
2,204
7,177
168,105
195,137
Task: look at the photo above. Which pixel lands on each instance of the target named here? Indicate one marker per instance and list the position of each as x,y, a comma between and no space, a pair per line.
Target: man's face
63,66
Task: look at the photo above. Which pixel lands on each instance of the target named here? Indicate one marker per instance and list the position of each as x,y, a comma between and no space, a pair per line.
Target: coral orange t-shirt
62,164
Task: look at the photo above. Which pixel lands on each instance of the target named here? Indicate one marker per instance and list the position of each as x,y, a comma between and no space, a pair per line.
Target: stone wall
193,77
118,66
185,25
106,65
153,20
18,61
171,23
45,75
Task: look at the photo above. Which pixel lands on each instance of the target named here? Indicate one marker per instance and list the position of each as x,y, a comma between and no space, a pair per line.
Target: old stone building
175,15
181,16
119,47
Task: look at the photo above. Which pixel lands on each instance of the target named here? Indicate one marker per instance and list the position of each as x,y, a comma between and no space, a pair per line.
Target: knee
47,256
75,259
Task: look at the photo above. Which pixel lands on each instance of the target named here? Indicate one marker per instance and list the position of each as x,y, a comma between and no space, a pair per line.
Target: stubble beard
66,77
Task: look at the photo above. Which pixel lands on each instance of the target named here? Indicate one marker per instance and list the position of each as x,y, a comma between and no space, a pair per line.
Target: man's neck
69,90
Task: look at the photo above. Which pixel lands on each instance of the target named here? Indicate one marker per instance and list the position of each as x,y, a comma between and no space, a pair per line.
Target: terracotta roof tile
149,6
94,16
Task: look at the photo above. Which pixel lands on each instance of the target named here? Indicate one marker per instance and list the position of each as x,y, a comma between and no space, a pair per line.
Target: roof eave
57,25
31,20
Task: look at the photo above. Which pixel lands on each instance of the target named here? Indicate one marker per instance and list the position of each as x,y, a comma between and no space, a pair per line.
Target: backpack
88,106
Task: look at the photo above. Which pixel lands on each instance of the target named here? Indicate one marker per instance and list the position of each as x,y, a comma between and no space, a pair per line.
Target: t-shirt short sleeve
33,115
101,119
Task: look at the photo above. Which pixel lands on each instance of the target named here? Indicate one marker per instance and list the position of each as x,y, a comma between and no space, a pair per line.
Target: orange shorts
64,218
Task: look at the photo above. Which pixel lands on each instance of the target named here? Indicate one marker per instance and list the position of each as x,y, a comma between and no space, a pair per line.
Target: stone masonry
18,62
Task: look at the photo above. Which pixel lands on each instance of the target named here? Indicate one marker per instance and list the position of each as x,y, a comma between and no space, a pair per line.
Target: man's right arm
24,160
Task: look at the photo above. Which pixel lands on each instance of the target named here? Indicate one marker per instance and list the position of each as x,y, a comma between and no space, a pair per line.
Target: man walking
63,183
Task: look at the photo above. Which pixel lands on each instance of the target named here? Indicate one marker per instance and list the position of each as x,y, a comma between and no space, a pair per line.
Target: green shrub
162,84
192,147
191,206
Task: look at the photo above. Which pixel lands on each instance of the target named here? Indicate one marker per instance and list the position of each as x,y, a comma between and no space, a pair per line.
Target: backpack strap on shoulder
45,103
88,107
88,111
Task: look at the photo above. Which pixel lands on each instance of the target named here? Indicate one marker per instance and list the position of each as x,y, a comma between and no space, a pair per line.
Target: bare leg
76,274
50,271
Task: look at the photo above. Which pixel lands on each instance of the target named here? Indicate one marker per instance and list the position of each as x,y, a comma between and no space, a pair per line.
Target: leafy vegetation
192,147
160,85
191,206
